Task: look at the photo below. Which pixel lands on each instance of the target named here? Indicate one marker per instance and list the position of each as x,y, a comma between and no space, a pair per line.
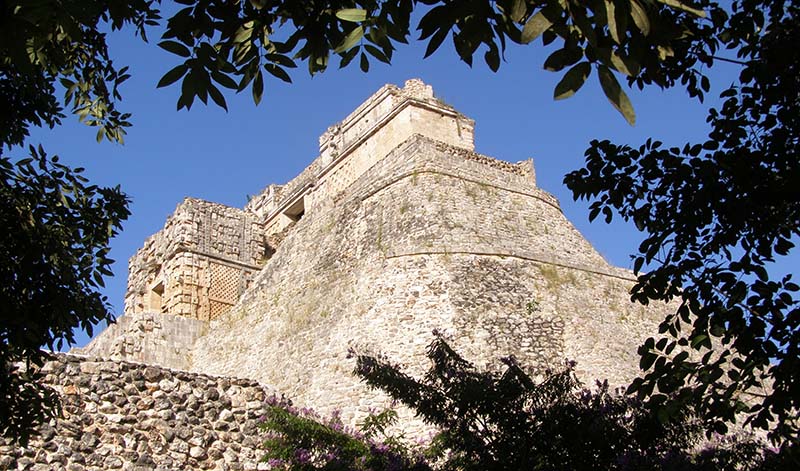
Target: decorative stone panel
173,271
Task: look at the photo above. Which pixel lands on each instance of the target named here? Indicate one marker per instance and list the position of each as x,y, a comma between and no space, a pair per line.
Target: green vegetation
415,177
642,39
53,255
471,190
505,421
533,306
56,231
714,215
301,439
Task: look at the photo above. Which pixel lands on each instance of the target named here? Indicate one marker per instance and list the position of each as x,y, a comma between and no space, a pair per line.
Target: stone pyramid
396,229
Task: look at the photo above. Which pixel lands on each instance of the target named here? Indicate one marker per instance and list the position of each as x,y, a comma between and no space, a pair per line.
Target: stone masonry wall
430,121
264,203
147,337
444,203
134,417
388,235
430,237
369,133
377,109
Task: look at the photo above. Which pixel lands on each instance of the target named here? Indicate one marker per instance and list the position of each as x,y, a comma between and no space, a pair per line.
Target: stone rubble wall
427,238
135,417
148,337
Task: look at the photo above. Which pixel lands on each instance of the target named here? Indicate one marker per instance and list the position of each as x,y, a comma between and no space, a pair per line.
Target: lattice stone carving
217,308
224,288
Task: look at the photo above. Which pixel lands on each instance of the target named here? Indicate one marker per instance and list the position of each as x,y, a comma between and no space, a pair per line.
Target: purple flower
381,448
302,456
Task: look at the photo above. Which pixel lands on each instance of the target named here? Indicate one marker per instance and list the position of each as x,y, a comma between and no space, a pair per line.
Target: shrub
503,420
302,440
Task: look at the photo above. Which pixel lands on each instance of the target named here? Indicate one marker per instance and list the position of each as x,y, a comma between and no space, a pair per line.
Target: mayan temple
397,228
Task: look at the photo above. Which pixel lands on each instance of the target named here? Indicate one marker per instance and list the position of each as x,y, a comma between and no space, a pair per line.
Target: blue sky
223,157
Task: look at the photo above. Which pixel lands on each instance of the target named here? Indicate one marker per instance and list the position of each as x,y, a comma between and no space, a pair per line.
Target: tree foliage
504,420
715,215
695,204
233,44
53,254
47,43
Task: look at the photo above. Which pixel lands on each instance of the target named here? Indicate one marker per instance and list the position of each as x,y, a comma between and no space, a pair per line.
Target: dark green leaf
536,25
437,19
624,64
562,58
615,95
281,60
640,18
572,81
278,72
699,340
617,33
376,53
492,58
637,264
173,76
436,41
348,57
243,33
518,10
647,360
175,48
352,38
683,6
353,15
216,95
258,87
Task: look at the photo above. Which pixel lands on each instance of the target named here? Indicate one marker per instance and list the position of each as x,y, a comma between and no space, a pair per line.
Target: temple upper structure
206,255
